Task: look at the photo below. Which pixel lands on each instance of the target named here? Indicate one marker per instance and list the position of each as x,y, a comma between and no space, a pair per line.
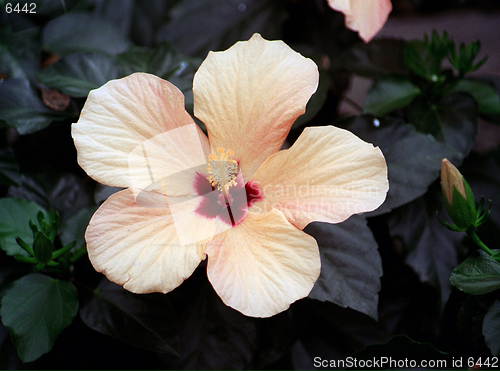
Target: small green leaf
485,95
43,248
22,108
421,61
389,94
478,274
491,328
77,74
15,215
77,32
350,265
35,310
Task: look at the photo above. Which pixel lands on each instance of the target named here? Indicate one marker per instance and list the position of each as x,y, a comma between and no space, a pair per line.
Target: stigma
222,170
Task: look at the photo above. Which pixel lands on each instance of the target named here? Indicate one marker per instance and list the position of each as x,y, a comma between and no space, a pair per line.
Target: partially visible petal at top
327,175
138,247
249,96
365,16
262,265
133,131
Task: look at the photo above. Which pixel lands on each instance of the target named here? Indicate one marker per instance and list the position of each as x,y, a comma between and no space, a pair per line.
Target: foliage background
384,274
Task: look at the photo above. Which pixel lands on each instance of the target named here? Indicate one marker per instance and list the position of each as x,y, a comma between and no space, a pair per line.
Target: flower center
222,170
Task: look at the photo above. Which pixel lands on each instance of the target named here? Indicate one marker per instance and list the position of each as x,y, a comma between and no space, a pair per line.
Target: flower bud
458,197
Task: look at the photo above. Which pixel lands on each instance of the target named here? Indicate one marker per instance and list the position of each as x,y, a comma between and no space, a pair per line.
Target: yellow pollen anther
222,170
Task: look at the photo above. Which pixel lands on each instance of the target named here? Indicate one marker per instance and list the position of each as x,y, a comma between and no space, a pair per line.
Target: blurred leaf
22,108
389,94
146,321
138,19
413,159
77,31
375,59
102,192
491,328
350,265
19,53
453,120
64,193
478,274
77,74
432,250
402,351
421,61
73,229
196,27
317,100
215,336
485,95
35,310
9,169
15,215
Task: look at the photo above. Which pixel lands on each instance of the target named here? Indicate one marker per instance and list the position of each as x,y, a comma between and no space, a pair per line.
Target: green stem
472,234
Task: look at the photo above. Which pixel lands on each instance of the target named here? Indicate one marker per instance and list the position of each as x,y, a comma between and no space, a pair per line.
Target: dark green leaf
77,74
453,120
478,274
73,229
215,336
9,169
66,193
402,351
15,215
222,23
389,94
375,59
350,265
485,95
432,250
19,53
42,247
35,310
421,61
147,321
22,108
413,159
77,32
491,328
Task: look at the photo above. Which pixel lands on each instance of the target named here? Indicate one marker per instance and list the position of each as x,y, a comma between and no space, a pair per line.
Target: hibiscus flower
233,197
365,16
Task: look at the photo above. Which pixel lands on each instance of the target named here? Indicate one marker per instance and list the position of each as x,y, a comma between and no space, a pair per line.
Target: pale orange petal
138,247
327,175
263,264
365,16
249,96
126,134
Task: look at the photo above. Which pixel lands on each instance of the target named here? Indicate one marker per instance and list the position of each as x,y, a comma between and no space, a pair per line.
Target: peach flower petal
131,132
263,265
327,175
367,17
138,247
249,96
